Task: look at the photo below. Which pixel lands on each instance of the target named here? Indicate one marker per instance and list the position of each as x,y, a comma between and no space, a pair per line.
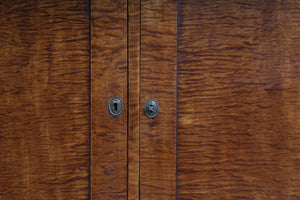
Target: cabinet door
60,63
226,76
44,101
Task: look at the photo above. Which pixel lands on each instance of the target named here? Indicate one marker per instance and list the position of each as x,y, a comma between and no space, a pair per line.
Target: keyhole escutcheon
151,108
115,106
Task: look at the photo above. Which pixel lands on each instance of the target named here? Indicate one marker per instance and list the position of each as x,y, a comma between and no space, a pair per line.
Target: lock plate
151,108
115,106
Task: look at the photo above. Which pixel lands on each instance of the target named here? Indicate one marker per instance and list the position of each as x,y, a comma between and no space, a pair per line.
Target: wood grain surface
158,81
238,100
44,100
133,20
109,79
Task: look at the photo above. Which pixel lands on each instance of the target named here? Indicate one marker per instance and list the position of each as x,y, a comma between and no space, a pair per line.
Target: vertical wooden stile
133,97
158,81
108,79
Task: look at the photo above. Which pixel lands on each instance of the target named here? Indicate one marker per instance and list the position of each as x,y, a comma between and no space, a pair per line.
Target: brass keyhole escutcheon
115,106
151,108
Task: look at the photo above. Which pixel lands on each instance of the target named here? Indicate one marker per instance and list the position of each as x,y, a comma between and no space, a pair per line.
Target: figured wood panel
158,81
133,98
109,79
238,100
44,99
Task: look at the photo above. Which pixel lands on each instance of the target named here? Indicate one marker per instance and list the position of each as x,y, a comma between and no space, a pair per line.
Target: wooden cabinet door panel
44,102
238,100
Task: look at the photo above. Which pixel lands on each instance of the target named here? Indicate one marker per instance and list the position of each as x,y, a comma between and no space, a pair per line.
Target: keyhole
116,106
151,108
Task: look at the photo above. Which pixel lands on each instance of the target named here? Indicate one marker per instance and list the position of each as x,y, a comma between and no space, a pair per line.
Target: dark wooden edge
133,52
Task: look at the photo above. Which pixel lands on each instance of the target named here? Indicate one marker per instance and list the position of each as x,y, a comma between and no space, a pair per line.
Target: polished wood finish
238,100
158,81
232,97
108,79
133,98
44,99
